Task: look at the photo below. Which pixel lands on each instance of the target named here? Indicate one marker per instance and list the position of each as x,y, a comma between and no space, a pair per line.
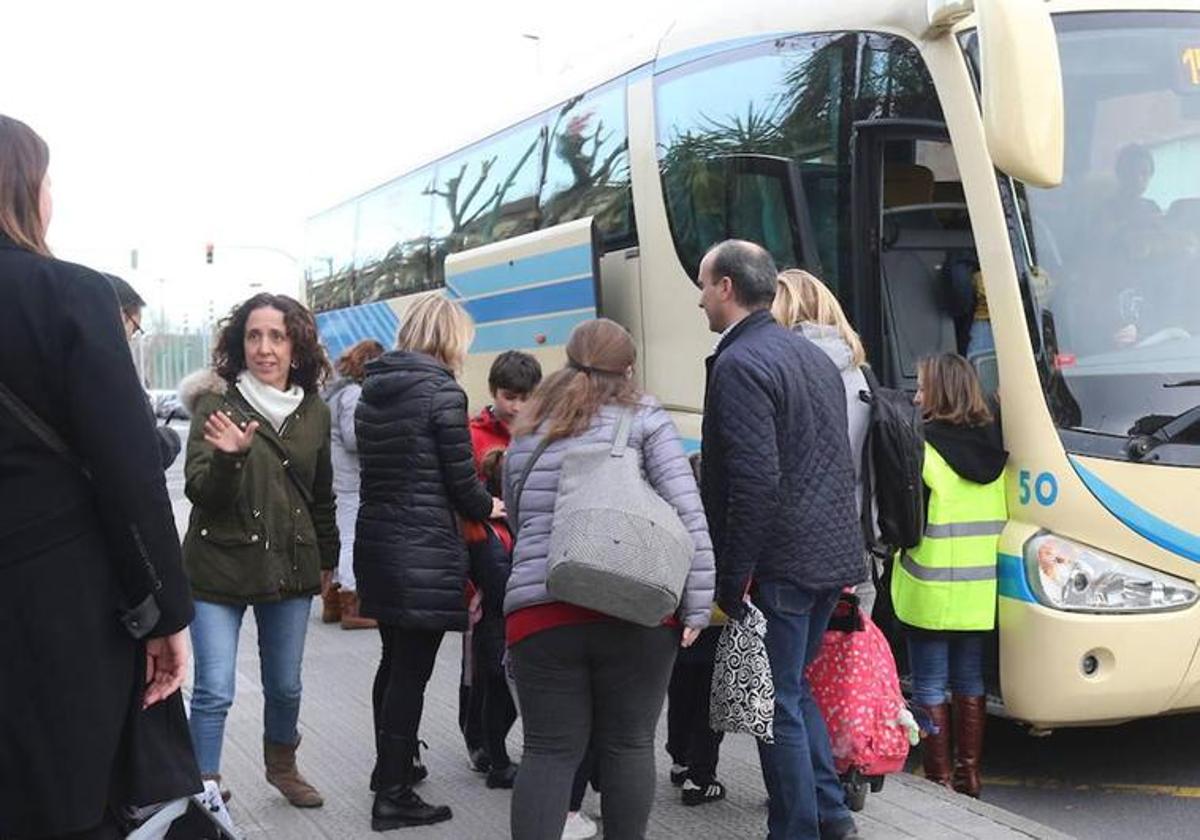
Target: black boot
396,805
420,771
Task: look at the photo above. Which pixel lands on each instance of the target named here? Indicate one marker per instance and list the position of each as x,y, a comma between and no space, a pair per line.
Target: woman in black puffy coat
418,476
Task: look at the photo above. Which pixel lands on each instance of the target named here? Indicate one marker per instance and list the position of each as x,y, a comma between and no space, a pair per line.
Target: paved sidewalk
337,754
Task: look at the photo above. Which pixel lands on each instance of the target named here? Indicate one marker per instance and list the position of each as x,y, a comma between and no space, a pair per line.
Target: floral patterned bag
854,681
743,693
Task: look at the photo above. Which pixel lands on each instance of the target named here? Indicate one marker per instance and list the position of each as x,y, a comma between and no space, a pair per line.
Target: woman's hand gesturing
226,435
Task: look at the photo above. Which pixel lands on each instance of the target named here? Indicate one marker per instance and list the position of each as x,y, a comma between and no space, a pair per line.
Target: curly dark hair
310,365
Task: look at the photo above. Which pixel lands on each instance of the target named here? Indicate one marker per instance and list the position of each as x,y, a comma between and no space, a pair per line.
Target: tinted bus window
391,251
794,99
489,192
587,168
778,99
330,257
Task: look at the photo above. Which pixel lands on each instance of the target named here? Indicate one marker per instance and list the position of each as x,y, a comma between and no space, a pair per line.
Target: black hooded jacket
418,472
976,453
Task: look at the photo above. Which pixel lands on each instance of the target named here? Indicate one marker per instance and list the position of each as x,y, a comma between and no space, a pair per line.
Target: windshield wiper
1186,383
1139,446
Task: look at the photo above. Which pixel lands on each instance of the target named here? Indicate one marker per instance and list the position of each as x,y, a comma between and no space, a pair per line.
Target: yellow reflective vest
948,582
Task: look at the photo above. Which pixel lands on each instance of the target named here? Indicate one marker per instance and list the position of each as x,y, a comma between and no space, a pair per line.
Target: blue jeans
981,340
282,626
798,768
947,661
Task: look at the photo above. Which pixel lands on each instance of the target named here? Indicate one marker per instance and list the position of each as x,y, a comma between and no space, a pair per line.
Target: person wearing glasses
132,306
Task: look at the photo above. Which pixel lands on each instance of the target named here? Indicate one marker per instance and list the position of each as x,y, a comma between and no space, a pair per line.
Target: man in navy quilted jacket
778,488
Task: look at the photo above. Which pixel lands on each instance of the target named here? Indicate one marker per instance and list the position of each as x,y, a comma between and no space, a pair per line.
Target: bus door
918,290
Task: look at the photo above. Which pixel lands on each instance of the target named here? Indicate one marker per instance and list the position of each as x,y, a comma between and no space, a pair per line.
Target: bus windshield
1117,245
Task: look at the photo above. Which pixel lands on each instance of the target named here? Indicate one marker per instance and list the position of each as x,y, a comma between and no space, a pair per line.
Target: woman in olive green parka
262,532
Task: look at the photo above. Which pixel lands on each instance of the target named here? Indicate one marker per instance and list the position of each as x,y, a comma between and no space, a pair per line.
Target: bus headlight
1072,576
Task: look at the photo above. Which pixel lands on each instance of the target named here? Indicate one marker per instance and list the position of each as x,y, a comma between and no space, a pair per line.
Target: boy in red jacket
511,380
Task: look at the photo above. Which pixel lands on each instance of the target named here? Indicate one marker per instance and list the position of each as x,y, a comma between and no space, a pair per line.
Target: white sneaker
579,827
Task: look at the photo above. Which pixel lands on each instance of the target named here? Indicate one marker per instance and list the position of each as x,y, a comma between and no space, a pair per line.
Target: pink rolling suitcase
855,683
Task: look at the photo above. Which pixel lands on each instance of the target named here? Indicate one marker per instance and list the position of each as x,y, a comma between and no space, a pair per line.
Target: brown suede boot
351,620
283,774
935,747
970,715
331,608
216,777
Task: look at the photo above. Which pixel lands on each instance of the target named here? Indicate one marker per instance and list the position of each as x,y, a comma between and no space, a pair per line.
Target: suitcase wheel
856,787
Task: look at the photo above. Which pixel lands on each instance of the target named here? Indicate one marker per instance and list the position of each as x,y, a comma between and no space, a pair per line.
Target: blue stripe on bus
537,268
522,335
690,445
1012,581
1138,519
574,294
340,329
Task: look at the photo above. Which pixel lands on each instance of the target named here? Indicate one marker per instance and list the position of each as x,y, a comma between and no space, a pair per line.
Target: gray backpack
616,546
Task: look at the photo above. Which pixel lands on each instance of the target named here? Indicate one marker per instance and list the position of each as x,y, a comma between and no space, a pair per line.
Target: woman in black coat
418,476
93,599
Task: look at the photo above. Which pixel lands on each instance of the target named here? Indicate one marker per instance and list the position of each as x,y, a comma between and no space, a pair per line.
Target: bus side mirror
1022,90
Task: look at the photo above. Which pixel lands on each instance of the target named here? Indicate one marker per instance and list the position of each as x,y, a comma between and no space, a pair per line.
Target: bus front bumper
1072,669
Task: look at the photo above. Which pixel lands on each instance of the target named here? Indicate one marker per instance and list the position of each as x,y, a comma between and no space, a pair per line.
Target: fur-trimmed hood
195,385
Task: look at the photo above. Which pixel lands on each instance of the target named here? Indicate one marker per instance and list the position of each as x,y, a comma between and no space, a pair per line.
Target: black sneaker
480,762
678,774
694,794
840,830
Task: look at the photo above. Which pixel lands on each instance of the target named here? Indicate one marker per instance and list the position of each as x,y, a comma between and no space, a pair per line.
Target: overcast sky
173,125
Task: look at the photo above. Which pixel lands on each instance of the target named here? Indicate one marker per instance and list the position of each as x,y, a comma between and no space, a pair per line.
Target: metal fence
162,359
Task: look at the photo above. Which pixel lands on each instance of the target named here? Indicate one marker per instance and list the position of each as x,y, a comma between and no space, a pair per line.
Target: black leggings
404,670
602,683
498,710
691,742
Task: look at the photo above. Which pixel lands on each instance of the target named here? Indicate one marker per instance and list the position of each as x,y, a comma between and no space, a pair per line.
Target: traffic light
208,251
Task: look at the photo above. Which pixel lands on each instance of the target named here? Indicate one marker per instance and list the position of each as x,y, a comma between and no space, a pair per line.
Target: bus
1048,152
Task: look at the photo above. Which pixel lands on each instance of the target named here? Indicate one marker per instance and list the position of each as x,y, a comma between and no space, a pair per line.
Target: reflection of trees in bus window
587,165
567,163
392,247
795,98
487,193
329,259
894,82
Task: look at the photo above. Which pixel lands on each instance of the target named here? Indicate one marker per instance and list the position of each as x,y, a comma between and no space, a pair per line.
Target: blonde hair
950,391
437,327
800,297
600,354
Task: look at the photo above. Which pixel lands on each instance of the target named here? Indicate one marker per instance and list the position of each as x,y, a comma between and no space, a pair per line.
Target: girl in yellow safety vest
944,589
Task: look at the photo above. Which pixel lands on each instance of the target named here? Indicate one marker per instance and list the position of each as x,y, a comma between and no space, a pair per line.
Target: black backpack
896,446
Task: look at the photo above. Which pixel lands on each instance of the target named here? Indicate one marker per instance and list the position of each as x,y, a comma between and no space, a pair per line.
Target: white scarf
269,401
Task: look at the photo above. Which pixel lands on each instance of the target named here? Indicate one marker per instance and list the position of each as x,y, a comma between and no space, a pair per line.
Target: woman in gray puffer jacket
805,304
582,675
340,595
